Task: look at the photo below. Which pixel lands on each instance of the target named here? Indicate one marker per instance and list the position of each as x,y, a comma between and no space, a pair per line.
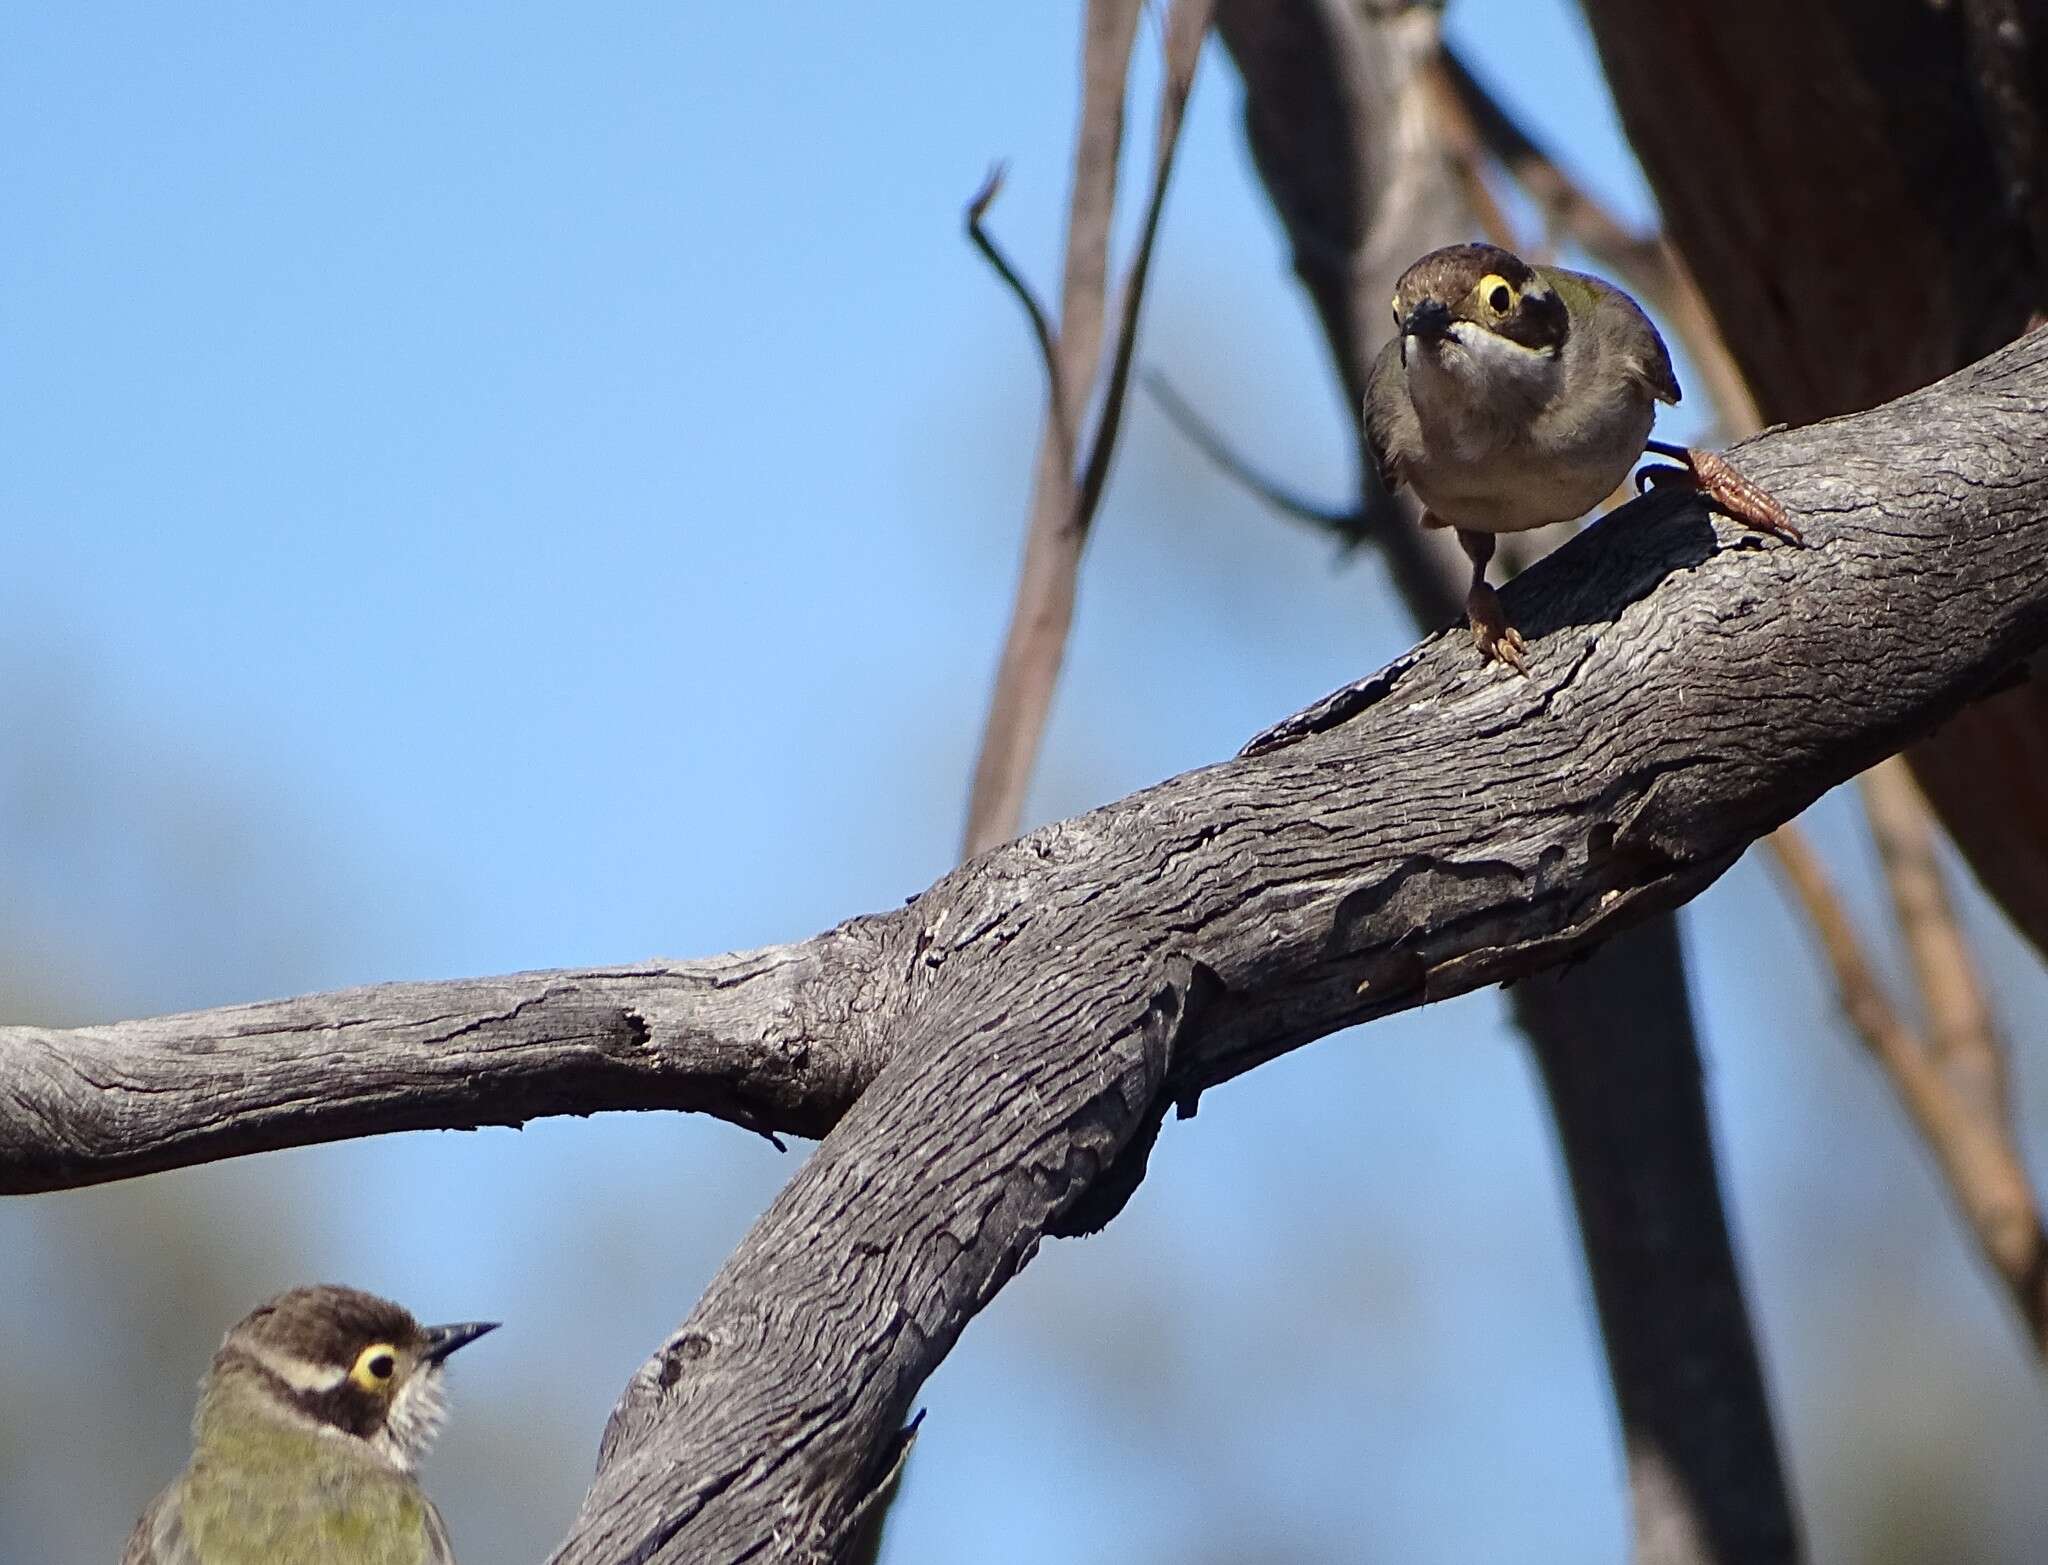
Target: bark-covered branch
1022,1026
1456,826
1691,692
774,1040
1678,668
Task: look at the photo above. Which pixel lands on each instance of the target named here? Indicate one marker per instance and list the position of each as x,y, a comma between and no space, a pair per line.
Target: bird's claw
1715,477
1509,648
1497,640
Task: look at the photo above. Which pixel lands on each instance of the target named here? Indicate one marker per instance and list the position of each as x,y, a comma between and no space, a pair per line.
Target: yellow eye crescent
1397,309
1498,293
375,1366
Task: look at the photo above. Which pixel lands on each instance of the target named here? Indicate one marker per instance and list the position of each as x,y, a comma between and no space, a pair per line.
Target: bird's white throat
415,1418
1477,387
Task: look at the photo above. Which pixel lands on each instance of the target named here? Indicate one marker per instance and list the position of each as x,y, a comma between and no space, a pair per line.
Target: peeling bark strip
1019,1023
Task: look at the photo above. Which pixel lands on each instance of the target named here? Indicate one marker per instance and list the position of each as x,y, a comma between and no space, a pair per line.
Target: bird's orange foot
1715,477
1497,640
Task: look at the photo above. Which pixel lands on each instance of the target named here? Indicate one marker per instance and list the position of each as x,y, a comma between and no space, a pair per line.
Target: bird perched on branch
1513,396
311,1420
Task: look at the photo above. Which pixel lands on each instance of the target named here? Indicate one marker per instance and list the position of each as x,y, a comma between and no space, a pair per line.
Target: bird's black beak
1431,318
444,1340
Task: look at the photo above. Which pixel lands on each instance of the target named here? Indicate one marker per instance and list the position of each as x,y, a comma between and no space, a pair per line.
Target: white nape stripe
300,1374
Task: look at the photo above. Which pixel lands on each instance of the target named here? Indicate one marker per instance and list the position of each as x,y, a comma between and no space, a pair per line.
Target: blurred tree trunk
1857,185
1339,118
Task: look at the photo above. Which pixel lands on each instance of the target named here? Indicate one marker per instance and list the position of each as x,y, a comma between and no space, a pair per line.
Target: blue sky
499,487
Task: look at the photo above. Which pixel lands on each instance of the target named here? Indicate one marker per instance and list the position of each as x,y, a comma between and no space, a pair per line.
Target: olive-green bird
1513,396
311,1420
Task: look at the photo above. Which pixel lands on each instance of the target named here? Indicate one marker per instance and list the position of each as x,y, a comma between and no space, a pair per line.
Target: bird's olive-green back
261,1491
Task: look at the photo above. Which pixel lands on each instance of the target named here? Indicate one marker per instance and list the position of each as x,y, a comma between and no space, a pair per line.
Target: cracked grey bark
1014,1034
1339,116
761,1038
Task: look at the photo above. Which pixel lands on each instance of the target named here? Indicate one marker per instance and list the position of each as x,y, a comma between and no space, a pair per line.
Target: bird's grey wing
159,1538
1653,365
1392,428
439,1550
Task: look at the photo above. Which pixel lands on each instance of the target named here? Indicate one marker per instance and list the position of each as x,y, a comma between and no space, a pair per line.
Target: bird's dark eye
1498,293
1501,300
382,1365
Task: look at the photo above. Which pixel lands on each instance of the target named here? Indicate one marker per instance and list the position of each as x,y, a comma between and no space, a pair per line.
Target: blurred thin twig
1064,499
1187,24
1960,1032
1350,526
1061,422
1950,1078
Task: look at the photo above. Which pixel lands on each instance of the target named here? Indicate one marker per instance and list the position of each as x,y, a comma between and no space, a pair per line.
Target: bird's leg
1496,639
1715,477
